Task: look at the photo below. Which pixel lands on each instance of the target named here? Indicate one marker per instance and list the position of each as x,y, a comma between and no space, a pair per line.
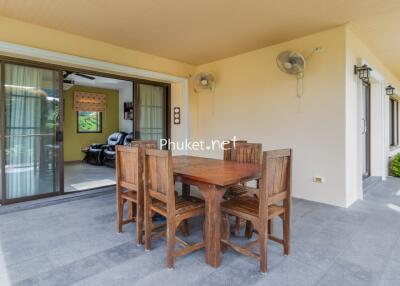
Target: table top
221,173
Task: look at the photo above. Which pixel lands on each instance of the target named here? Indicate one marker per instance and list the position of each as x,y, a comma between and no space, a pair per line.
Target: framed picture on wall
128,110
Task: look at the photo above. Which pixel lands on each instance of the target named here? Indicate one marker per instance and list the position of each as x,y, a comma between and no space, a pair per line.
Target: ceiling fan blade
67,73
85,76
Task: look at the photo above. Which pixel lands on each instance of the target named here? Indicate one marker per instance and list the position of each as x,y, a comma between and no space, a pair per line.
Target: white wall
254,100
358,53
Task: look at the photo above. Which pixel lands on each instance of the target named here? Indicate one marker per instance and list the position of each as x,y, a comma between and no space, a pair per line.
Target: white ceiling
100,82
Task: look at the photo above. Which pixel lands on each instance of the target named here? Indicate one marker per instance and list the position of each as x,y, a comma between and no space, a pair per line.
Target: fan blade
85,76
66,74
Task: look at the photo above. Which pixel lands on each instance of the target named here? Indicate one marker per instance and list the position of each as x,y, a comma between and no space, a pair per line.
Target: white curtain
151,120
32,115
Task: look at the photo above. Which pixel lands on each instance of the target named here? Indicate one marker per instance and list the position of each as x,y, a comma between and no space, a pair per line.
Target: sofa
96,152
109,152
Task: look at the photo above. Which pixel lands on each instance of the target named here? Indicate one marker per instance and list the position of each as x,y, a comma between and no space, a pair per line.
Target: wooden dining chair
130,189
160,198
243,152
274,201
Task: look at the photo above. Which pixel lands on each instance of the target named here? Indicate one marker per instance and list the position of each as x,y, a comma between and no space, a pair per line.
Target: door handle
364,130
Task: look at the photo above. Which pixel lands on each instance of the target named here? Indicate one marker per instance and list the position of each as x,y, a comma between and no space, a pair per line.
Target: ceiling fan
68,83
68,73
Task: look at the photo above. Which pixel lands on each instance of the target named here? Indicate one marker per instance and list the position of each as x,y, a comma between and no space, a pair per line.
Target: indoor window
89,121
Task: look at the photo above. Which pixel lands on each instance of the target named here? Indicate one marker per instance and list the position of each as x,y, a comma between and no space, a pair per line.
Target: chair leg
263,238
148,225
139,225
286,233
238,224
185,227
120,213
270,226
171,232
131,210
249,230
185,190
226,231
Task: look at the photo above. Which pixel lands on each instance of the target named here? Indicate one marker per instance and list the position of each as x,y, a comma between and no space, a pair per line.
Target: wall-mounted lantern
363,72
390,90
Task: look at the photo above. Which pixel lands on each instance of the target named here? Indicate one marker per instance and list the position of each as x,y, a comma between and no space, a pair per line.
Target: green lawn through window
89,121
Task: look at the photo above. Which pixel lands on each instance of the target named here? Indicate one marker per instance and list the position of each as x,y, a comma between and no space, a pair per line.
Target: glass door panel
32,123
150,117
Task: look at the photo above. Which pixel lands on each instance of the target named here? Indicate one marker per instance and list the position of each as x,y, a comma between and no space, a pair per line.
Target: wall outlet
318,179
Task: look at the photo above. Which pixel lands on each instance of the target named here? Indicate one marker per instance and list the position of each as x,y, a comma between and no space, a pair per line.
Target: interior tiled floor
75,243
75,173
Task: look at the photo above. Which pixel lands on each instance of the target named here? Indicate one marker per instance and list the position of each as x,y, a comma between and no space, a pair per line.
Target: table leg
212,225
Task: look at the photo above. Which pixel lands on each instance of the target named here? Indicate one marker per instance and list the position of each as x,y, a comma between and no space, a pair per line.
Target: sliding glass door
31,132
151,112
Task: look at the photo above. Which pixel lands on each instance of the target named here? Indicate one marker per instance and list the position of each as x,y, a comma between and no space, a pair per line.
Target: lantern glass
390,90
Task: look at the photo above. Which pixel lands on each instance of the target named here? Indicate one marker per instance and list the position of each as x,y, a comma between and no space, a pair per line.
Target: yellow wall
254,100
74,141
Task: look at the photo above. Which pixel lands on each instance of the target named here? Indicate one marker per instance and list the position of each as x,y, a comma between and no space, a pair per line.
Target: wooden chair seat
182,205
273,200
130,188
248,207
160,197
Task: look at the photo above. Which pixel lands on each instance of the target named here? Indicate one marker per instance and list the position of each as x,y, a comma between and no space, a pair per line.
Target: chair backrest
147,144
229,146
159,177
247,153
129,168
275,178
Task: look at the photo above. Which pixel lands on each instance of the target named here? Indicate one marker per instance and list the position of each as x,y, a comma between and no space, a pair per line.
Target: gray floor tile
344,273
75,243
391,275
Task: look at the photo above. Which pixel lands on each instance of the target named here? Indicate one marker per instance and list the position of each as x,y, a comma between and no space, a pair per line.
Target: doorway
32,125
366,129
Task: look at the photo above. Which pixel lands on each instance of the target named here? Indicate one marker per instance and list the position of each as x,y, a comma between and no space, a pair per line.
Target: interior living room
99,115
93,113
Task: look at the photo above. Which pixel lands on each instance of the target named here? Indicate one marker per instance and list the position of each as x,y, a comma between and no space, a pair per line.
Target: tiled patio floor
75,242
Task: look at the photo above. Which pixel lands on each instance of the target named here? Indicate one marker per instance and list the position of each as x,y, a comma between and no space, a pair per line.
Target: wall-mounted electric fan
204,81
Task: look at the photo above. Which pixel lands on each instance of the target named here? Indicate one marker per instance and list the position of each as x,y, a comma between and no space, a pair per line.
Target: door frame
60,68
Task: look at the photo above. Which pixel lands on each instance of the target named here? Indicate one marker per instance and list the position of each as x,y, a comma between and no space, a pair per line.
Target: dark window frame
89,132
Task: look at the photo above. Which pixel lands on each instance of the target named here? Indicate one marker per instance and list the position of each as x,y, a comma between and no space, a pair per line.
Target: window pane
32,118
89,121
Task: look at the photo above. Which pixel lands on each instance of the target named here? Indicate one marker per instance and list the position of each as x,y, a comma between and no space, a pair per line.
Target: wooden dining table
212,177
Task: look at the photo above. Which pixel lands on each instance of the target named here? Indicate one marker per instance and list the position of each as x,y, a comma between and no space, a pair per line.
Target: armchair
96,152
109,151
